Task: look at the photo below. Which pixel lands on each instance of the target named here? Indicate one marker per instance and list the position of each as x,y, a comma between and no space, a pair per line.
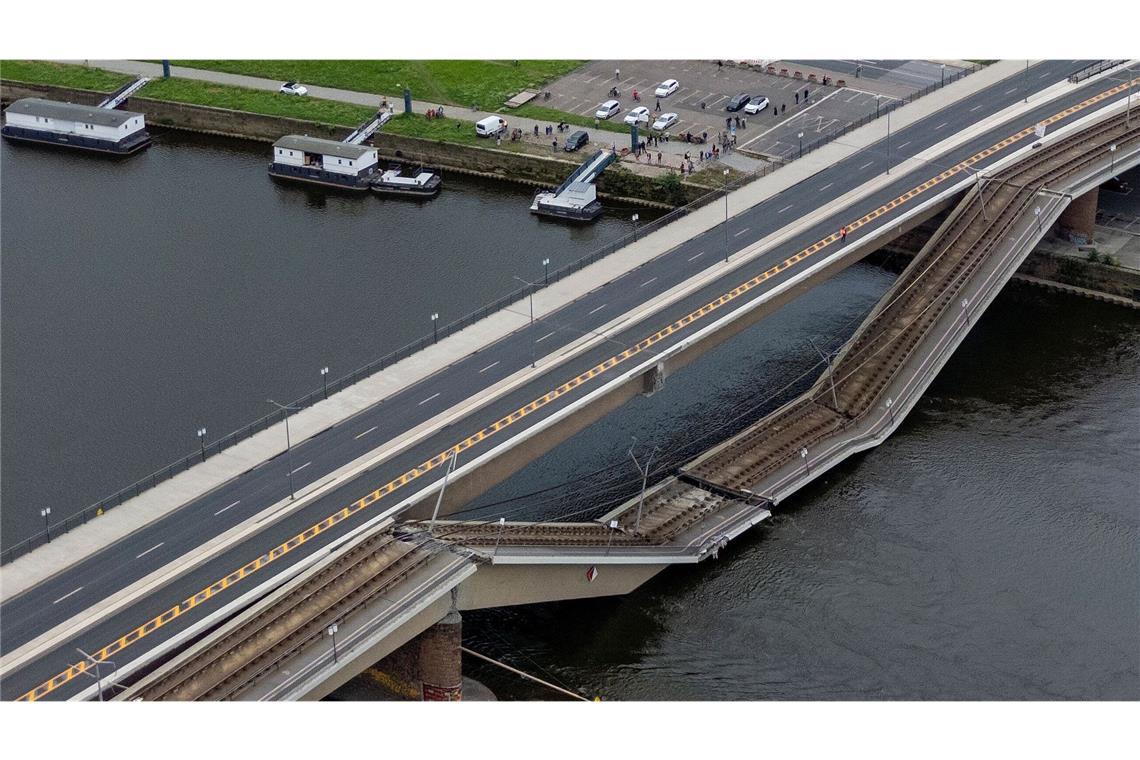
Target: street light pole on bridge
288,443
644,472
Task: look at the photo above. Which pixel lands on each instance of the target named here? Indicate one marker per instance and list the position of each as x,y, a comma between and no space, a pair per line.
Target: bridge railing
185,463
1094,69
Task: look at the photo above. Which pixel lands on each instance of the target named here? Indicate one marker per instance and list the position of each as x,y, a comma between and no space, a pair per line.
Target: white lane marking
489,366
940,126
306,464
651,279
829,184
864,166
544,337
1011,91
903,145
975,108
148,551
785,208
694,258
740,233
429,398
1043,75
599,308
369,430
223,509
76,591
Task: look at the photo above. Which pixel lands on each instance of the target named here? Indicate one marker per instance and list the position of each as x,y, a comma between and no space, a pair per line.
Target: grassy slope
486,83
62,75
256,101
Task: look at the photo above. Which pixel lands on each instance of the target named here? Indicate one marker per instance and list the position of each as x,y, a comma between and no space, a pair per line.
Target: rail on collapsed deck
367,129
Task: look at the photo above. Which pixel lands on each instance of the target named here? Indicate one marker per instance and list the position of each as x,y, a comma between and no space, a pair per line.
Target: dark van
738,102
576,140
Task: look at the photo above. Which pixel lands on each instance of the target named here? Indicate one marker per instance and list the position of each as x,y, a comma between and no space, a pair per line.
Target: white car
293,88
667,88
664,121
607,109
757,105
639,115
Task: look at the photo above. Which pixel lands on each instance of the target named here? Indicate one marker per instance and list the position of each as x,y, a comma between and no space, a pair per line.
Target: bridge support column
427,668
1079,219
653,380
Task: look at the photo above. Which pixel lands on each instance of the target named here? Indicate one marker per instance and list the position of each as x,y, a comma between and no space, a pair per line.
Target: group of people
435,113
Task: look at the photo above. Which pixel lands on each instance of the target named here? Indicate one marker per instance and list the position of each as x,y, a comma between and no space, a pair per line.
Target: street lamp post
888,142
890,410
644,472
546,271
1026,80
202,442
46,513
325,381
288,443
966,309
613,529
942,67
830,374
434,327
1112,153
531,286
1037,215
98,674
726,216
634,219
801,136
331,631
803,456
454,455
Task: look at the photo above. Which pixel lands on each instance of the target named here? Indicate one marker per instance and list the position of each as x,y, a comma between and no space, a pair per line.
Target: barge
324,162
100,130
577,202
424,183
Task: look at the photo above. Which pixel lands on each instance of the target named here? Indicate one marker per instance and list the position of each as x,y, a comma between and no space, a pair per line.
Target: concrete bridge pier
428,668
1078,221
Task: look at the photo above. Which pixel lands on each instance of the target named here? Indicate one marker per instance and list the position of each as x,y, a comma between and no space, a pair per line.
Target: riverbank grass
256,101
62,75
486,84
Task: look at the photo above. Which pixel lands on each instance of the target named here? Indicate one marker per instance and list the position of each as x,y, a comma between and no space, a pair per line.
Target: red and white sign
591,573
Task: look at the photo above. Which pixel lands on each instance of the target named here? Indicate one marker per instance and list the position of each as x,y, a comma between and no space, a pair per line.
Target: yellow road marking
343,514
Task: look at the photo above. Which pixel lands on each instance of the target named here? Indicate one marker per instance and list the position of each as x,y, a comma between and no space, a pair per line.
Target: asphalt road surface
76,589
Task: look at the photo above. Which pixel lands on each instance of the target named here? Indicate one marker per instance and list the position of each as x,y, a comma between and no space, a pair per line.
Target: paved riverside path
598,137
216,470
810,186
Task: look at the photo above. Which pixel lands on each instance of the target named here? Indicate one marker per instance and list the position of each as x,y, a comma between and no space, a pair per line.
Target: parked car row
640,115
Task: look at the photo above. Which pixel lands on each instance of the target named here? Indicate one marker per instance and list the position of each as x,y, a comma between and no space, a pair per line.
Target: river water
987,550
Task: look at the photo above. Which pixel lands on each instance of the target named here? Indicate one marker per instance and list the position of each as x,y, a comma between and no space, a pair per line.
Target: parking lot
827,108
894,78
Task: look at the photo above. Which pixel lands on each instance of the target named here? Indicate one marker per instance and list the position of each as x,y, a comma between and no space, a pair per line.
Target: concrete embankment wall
616,183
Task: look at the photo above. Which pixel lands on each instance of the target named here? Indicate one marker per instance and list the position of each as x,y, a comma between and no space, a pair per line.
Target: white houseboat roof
105,117
324,147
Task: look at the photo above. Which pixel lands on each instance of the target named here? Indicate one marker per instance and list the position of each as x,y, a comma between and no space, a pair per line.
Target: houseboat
324,162
421,183
103,130
577,201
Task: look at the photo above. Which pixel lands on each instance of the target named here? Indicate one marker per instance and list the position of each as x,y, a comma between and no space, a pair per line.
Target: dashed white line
903,145
369,430
738,234
489,366
148,551
544,337
864,166
223,509
429,398
306,464
694,258
940,126
651,279
598,308
829,184
785,208
76,591
975,108
1043,75
1011,91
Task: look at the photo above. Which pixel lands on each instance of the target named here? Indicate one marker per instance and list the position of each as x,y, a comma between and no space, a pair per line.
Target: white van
491,126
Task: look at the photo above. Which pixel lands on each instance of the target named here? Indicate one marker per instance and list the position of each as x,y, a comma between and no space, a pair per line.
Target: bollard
165,69
407,100
633,137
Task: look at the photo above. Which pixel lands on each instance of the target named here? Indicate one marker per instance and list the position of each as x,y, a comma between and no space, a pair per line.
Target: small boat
423,183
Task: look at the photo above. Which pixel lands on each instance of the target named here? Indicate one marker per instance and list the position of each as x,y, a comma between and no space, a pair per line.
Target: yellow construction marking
343,514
